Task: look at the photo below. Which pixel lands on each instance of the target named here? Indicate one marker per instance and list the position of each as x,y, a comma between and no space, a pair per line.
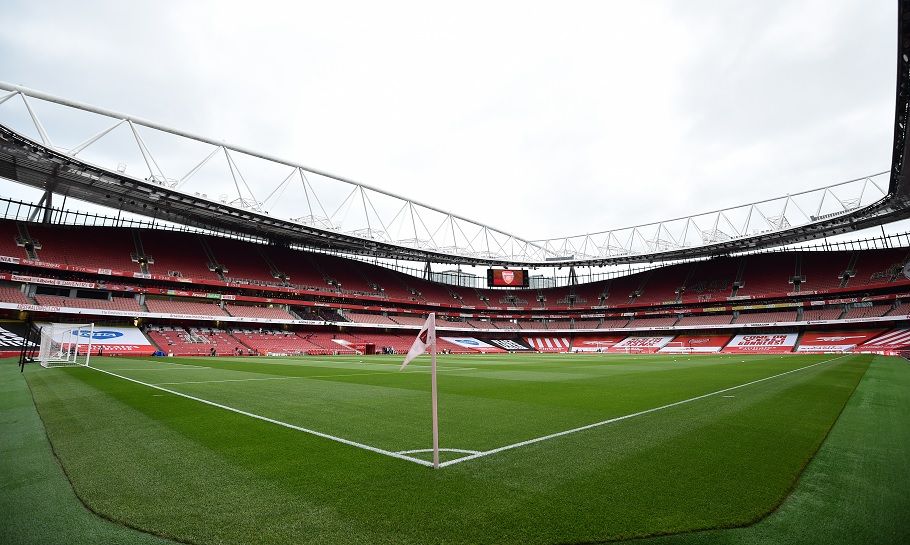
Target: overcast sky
543,119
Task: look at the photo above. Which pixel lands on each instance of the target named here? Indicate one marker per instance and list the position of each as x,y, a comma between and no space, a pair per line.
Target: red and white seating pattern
896,339
549,344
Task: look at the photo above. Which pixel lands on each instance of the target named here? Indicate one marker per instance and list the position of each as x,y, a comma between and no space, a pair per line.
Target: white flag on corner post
427,339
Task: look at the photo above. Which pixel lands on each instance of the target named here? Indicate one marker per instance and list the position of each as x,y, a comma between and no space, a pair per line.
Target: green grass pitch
540,448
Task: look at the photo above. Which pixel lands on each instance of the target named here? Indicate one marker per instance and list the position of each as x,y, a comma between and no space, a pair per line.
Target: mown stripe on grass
475,455
274,421
624,417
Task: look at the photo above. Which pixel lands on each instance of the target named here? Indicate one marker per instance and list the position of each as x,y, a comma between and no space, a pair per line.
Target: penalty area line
624,417
335,438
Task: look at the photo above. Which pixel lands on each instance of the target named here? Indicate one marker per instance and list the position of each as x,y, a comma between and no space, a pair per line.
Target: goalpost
65,344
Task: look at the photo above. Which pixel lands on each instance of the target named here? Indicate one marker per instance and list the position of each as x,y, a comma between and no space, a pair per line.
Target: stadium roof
371,221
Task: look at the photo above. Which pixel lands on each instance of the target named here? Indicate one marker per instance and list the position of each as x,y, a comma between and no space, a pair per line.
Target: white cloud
543,119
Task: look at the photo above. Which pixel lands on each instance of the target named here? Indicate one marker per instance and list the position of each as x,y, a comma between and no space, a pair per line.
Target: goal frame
63,345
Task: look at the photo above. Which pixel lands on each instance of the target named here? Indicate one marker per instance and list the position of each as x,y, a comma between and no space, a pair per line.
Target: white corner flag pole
427,338
435,407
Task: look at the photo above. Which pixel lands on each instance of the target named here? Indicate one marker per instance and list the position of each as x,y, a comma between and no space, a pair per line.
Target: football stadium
204,342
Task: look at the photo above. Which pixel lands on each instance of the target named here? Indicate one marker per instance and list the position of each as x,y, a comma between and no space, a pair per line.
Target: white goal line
401,455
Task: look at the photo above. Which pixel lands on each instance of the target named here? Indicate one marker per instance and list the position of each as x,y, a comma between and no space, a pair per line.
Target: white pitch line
420,450
624,417
273,421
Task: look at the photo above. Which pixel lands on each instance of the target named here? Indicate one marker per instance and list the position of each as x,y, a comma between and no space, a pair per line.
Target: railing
26,211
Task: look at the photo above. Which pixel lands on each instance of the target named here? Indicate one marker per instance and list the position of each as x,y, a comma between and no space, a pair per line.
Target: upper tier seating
8,247
111,248
194,256
878,267
766,274
660,285
710,280
176,254
822,270
243,261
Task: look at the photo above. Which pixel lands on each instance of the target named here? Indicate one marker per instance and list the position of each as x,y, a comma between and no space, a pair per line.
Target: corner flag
427,339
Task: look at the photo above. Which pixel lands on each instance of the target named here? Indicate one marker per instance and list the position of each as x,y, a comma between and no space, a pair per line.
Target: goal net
65,344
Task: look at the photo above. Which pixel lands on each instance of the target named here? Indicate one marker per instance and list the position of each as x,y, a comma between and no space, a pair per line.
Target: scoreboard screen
509,278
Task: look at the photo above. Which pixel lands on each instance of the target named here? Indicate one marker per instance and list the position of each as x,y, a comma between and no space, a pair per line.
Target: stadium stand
878,267
111,248
176,254
888,342
193,342
612,323
661,285
12,294
873,311
248,311
710,280
8,237
254,276
765,274
830,313
127,304
243,261
586,324
361,318
184,307
500,324
823,270
413,320
274,342
705,319
652,322
766,317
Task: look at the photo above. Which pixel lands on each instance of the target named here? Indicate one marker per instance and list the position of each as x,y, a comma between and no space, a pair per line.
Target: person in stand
212,351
